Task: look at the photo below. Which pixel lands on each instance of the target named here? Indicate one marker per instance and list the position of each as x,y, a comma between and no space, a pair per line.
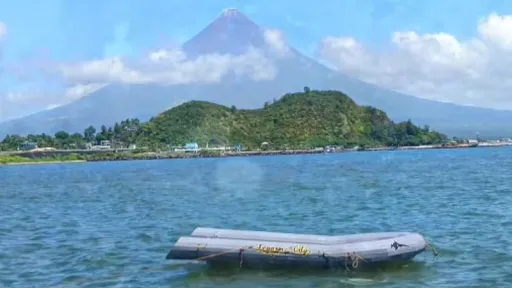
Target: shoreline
42,162
168,156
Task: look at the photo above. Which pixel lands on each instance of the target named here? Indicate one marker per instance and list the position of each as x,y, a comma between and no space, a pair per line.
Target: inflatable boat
263,249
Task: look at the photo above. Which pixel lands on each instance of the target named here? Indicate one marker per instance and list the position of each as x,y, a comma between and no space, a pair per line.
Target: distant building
104,145
264,145
191,147
28,146
472,142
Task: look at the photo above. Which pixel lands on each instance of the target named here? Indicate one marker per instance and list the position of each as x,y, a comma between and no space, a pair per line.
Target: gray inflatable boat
265,249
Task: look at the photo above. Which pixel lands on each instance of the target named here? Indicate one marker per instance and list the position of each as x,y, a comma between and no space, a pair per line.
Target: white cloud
171,67
51,106
276,40
167,55
438,66
22,103
52,98
112,69
78,91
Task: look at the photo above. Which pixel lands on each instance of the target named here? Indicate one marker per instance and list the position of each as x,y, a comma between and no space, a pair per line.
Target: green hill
298,120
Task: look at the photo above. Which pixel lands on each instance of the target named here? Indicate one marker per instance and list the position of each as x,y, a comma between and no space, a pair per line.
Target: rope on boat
240,250
240,254
355,260
429,245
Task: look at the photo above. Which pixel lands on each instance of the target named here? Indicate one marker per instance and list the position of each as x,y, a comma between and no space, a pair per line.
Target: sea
111,224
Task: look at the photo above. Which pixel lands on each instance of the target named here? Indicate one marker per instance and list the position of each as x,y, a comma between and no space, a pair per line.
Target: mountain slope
233,33
299,120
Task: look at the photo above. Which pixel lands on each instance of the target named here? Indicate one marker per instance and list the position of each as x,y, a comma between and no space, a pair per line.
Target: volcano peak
231,12
231,33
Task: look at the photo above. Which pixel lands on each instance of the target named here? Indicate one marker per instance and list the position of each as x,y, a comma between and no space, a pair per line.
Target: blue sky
87,29
83,30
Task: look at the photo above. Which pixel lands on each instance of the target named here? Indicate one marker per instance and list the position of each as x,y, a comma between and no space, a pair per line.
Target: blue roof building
28,145
239,147
191,147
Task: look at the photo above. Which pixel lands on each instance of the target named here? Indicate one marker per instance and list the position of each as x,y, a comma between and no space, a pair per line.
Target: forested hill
298,120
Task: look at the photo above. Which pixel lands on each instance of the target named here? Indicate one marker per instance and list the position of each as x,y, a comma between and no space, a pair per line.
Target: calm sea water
107,224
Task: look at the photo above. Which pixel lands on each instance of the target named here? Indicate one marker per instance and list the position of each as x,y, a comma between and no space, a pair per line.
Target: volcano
233,33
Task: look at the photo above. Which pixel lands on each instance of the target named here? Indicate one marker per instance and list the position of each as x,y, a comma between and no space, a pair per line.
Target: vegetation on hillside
298,120
123,134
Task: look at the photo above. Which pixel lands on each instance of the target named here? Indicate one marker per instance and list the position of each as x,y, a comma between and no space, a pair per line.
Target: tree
62,135
104,132
90,134
100,137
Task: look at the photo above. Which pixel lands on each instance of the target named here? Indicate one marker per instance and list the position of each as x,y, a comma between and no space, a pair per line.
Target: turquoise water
107,224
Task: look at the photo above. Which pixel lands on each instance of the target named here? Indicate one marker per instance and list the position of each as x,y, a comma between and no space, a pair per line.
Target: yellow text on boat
300,249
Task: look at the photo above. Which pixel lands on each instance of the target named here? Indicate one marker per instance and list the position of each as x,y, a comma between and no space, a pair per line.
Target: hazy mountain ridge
233,33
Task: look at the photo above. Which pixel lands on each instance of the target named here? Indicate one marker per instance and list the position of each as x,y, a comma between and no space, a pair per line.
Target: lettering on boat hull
298,250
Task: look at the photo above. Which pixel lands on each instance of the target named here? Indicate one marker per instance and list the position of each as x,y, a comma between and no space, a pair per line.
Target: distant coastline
42,162
14,158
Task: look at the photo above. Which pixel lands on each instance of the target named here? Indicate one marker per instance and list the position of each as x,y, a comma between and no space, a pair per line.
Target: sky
55,51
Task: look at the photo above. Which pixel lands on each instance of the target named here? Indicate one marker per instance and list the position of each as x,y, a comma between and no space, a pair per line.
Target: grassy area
111,156
107,156
15,159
